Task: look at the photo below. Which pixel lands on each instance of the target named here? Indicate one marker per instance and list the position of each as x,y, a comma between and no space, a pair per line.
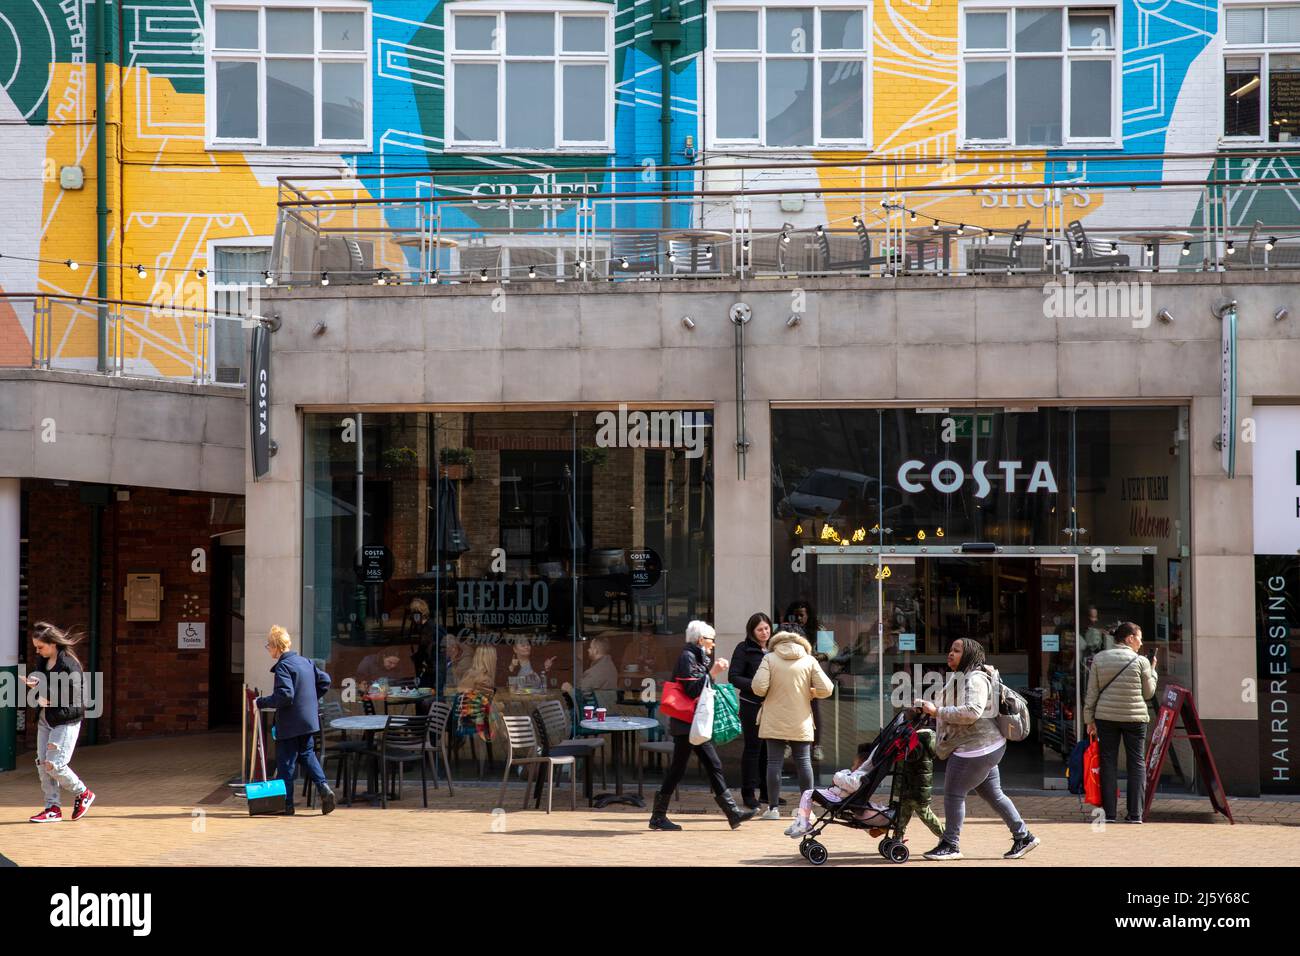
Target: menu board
1284,104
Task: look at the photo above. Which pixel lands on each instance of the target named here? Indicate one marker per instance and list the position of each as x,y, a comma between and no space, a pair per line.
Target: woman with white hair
695,667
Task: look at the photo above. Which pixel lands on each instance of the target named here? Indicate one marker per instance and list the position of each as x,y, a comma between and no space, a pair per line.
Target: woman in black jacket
58,676
744,664
694,669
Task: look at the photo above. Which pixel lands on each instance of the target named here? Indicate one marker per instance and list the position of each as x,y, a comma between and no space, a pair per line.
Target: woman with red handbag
695,668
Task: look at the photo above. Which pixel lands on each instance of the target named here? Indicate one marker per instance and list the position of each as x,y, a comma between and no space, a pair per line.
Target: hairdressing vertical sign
1275,478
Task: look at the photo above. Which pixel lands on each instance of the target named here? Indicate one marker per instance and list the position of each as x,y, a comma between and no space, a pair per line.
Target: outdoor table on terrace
616,725
942,235
1153,238
696,238
368,724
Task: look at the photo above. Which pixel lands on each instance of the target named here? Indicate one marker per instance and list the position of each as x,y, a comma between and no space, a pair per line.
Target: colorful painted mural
173,202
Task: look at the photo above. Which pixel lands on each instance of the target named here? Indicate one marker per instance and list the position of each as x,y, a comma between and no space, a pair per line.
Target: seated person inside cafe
599,674
386,664
522,674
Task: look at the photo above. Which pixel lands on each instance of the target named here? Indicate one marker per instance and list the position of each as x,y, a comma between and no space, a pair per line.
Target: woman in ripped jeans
59,676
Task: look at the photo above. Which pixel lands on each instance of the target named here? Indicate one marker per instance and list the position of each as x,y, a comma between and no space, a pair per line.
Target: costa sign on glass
949,476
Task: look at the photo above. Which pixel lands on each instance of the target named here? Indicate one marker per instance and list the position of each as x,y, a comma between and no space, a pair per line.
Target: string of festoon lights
625,262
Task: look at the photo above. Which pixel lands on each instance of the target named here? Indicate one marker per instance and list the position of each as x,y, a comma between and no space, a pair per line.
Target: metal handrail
188,357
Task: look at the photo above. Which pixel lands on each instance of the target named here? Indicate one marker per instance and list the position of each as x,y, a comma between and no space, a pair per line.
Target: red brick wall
151,687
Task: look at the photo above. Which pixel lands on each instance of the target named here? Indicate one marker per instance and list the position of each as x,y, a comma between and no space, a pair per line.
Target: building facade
564,474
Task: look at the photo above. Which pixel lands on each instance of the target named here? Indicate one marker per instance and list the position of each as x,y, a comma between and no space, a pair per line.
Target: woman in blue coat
299,686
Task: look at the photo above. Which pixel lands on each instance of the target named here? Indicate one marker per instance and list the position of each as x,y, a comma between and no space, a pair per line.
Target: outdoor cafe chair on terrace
997,258
857,249
524,749
1084,256
405,740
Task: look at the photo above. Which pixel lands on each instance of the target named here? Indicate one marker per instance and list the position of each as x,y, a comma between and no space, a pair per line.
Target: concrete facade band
912,346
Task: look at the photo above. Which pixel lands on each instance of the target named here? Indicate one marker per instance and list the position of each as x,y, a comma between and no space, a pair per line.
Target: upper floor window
291,76
1261,73
789,76
530,77
1039,75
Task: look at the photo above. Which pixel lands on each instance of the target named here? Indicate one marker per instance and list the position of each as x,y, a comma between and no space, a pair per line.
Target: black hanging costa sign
259,401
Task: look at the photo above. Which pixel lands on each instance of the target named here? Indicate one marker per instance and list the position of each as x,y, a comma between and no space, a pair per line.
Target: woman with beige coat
788,681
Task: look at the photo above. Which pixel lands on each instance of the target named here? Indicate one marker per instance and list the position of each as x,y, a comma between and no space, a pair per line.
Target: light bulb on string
532,272
140,272
268,278
482,275
1187,248
1230,250
201,273
1272,241
324,278
72,264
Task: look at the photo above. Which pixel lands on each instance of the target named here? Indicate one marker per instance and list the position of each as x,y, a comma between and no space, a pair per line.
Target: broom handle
243,736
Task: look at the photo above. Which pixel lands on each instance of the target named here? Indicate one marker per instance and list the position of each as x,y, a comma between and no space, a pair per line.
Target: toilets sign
949,476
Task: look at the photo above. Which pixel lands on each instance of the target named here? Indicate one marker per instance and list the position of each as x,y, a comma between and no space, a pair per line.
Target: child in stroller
848,803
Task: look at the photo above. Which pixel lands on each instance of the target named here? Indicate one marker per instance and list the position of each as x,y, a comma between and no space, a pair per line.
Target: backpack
1013,714
1074,769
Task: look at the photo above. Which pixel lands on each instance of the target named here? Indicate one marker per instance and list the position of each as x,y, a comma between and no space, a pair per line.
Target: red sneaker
82,803
48,815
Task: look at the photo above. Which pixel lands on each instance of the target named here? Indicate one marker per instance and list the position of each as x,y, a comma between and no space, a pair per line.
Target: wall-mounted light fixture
1282,314
794,320
688,322
1165,316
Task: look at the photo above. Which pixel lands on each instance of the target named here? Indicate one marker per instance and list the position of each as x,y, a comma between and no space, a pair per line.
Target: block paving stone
166,802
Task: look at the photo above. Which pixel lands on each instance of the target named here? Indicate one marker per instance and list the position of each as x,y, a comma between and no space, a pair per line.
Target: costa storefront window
496,559
905,529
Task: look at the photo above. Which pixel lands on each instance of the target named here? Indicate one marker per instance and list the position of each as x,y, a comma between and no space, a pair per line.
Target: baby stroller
895,742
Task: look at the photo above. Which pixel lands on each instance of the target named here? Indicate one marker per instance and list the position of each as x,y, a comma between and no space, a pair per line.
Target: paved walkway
164,803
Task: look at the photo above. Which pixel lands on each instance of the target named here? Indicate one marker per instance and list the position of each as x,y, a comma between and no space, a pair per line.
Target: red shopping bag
674,702
1092,774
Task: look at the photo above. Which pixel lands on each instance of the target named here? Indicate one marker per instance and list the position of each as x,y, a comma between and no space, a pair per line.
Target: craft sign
374,564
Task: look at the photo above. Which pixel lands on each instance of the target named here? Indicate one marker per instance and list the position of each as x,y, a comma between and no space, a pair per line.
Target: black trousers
708,757
753,759
1110,734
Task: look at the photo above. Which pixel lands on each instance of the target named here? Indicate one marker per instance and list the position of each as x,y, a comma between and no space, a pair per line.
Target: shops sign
949,476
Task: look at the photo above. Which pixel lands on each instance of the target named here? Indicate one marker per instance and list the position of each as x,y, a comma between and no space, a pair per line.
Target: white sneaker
798,828
772,814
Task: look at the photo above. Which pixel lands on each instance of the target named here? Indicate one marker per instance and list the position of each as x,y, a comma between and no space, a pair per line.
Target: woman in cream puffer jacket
787,681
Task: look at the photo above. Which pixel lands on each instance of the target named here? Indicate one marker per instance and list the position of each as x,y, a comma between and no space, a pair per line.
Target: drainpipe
98,497
101,180
667,32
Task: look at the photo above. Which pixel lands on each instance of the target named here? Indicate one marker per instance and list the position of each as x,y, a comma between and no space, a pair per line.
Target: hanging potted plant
457,463
593,456
399,460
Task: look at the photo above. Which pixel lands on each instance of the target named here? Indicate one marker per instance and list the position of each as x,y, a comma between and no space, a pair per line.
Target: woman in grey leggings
972,743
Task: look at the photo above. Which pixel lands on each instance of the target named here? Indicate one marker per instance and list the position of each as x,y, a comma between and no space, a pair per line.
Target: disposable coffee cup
588,712
600,714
